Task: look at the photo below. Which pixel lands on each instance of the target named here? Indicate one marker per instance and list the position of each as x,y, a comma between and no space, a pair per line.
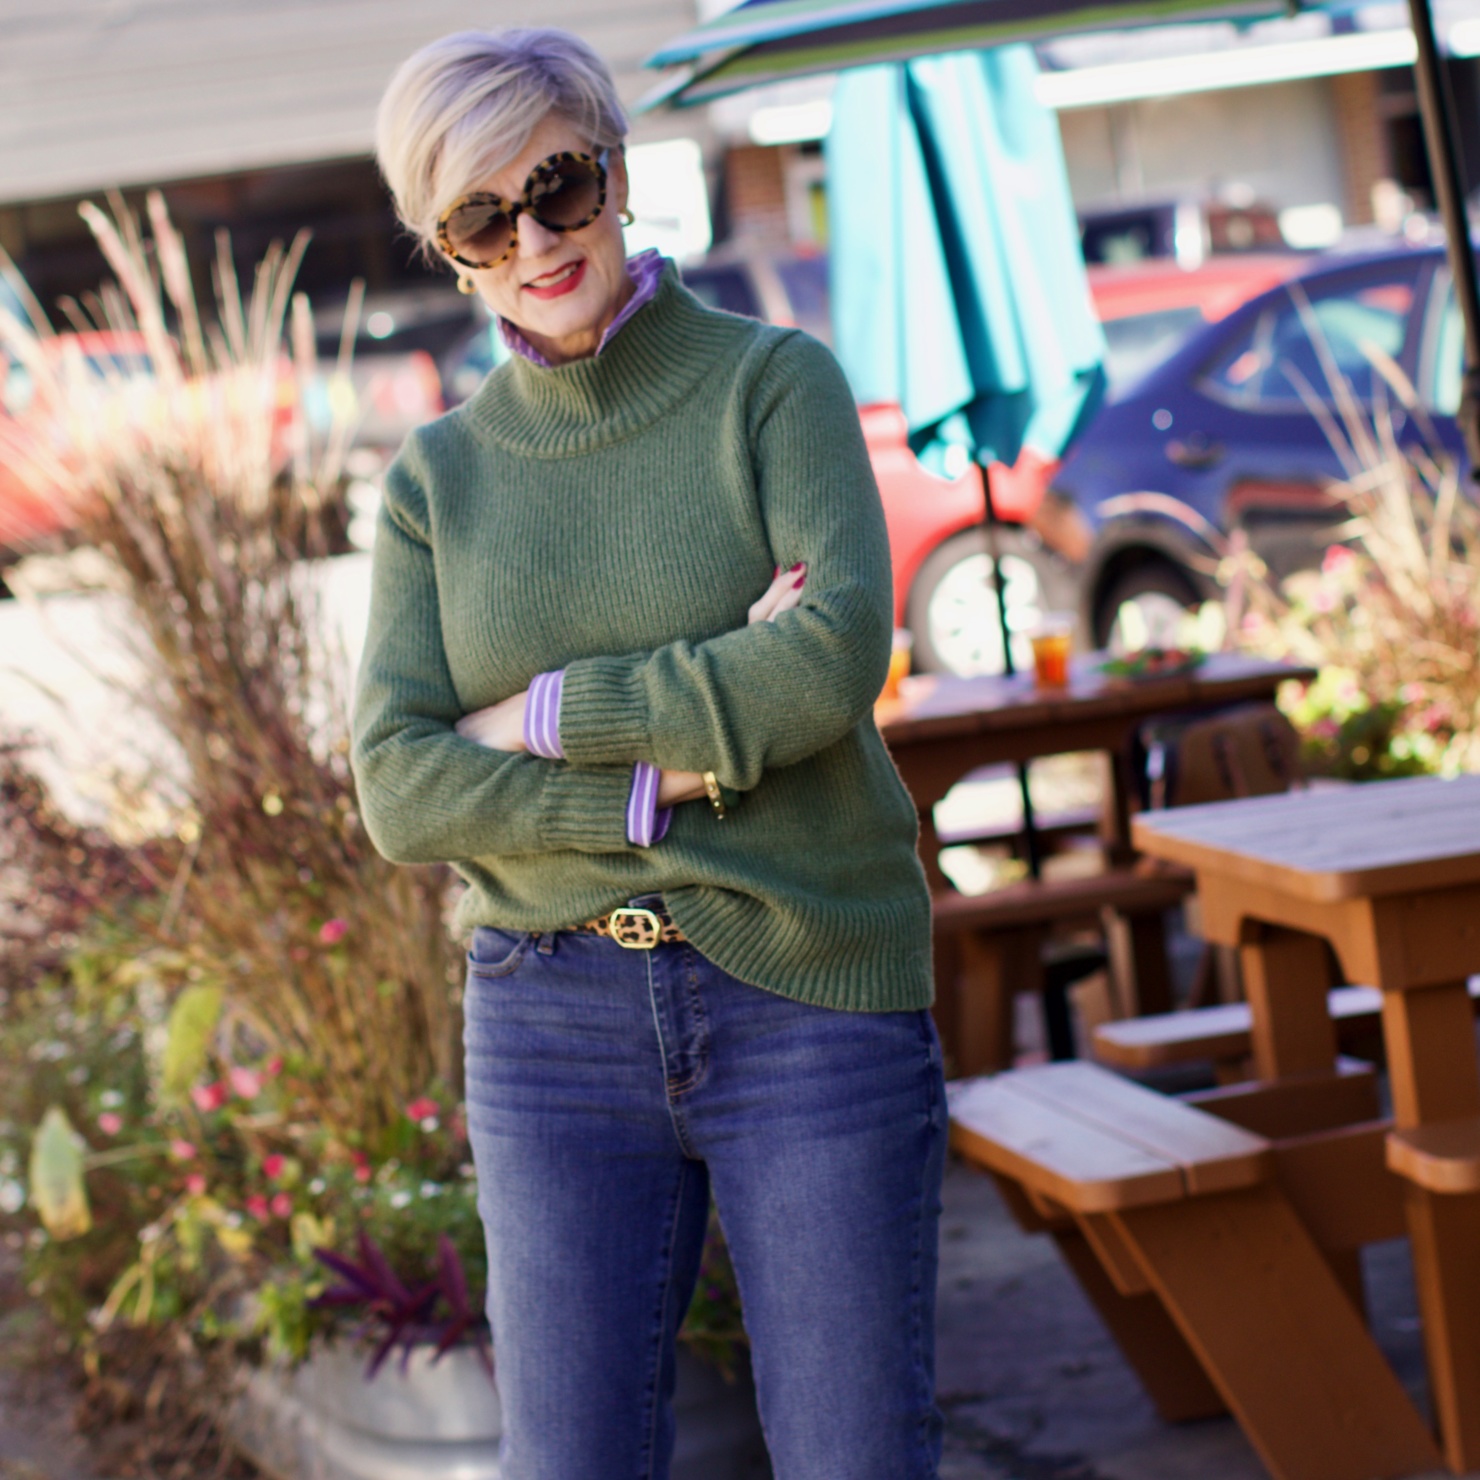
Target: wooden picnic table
944,727
1387,874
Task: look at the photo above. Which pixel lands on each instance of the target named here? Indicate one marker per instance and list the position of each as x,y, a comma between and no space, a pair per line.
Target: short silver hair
462,107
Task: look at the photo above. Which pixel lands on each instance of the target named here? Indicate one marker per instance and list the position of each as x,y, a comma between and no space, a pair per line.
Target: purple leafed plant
402,1313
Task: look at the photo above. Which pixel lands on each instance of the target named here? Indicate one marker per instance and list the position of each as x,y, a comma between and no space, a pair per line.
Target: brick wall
1363,140
755,192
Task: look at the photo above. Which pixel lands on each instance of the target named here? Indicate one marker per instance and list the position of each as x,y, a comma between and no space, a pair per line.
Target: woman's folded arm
427,794
771,693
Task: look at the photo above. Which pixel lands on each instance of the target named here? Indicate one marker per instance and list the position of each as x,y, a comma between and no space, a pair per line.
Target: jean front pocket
497,953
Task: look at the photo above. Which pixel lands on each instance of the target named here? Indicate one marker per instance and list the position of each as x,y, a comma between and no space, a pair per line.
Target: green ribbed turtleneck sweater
616,517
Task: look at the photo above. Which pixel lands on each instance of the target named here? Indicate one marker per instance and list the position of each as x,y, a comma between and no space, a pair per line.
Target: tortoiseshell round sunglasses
563,193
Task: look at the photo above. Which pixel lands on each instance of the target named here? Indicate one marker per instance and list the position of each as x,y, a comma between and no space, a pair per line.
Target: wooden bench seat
1052,828
1049,901
1177,1227
1443,1156
1223,1034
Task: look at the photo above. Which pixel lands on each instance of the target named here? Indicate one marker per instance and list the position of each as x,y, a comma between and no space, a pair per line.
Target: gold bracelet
716,796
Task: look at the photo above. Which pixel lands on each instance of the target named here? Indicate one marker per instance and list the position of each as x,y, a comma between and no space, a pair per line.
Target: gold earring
625,216
466,285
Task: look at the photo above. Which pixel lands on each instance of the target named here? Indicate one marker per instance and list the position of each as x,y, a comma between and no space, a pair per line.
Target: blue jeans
609,1091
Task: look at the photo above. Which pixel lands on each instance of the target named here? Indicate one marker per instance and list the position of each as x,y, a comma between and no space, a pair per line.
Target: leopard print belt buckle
635,929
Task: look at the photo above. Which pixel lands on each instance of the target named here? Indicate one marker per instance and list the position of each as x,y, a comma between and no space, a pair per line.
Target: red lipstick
562,287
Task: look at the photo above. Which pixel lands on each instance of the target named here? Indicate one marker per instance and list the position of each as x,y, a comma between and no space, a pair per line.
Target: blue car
1221,436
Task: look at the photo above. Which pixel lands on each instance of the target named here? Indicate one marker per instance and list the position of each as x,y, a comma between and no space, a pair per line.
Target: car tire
952,607
1159,595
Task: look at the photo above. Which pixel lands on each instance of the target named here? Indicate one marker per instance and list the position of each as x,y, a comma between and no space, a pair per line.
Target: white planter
325,1422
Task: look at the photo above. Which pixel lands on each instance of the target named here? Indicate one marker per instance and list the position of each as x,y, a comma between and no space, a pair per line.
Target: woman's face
560,288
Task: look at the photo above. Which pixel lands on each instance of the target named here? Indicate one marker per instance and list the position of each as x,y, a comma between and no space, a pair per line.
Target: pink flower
282,1206
273,1067
362,1166
110,1122
182,1150
246,1082
257,1207
195,1184
423,1108
272,1166
209,1097
331,932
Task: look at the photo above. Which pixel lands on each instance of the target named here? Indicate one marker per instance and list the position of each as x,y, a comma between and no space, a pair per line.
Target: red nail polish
797,584
798,565
775,572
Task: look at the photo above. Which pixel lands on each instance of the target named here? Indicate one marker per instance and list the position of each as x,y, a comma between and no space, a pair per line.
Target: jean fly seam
675,1114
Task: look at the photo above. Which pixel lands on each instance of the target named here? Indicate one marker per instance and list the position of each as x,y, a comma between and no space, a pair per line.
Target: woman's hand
679,786
500,726
784,593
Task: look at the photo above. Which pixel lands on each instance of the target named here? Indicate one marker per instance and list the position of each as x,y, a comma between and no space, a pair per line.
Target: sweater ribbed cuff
586,809
603,713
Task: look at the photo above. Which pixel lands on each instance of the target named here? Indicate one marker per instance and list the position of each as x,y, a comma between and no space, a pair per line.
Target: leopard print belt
637,929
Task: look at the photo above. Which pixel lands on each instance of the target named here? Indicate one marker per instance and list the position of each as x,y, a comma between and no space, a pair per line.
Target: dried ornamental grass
188,457
1392,616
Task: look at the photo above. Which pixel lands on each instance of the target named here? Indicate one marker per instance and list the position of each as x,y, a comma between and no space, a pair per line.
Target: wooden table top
1382,837
940,706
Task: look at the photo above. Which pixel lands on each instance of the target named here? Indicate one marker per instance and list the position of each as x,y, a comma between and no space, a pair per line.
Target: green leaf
193,1019
58,1192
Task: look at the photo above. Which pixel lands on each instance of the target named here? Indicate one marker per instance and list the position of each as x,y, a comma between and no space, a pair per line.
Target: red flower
182,1150
209,1097
422,1108
331,932
195,1184
273,1165
257,1207
282,1205
110,1122
362,1166
273,1067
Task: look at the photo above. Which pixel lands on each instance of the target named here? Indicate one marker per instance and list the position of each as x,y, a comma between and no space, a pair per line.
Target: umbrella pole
1441,135
1030,822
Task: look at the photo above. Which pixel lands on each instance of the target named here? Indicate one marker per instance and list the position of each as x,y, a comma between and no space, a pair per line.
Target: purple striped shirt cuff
542,716
646,821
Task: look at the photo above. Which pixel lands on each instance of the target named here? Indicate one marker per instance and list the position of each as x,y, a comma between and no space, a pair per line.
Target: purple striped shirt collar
646,272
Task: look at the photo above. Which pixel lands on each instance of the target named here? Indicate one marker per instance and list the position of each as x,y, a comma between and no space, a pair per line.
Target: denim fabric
608,1092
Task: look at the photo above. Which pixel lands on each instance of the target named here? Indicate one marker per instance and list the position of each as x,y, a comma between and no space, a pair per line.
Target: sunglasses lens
566,194
480,232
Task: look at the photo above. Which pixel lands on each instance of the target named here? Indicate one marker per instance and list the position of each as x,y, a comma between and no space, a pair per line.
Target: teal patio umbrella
958,289
763,41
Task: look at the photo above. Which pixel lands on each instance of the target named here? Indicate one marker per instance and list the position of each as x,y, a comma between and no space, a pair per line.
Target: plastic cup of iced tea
1052,639
899,663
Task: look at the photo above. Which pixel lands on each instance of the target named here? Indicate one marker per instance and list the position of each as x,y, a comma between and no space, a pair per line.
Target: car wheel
952,609
1146,607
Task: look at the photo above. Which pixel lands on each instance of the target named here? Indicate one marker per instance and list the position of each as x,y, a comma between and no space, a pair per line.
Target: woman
630,613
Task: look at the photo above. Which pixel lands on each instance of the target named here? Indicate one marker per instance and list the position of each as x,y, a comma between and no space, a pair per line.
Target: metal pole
1030,822
1441,135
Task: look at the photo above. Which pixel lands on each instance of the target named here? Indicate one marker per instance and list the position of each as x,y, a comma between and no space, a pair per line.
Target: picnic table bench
1194,1239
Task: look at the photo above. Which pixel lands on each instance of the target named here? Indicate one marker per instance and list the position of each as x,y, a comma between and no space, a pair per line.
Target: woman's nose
535,240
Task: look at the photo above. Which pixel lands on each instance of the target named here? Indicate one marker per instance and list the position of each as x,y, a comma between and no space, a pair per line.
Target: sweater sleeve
772,693
428,795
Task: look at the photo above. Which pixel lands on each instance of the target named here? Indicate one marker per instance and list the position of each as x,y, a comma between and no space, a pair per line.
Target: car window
1283,356
1447,371
805,281
723,287
1141,341
1127,236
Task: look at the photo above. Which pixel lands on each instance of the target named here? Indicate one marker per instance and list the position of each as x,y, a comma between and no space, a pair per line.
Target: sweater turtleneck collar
662,353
